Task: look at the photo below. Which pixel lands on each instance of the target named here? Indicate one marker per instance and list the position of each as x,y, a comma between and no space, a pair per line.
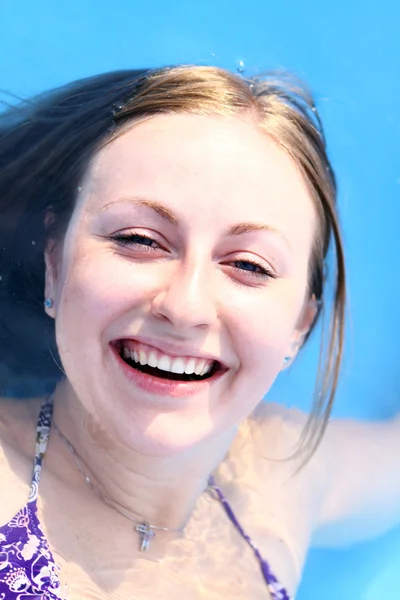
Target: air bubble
241,67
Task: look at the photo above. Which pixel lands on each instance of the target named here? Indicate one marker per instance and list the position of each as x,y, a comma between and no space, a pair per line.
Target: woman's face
189,249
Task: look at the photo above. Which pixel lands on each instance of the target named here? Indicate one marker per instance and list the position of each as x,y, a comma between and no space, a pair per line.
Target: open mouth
214,368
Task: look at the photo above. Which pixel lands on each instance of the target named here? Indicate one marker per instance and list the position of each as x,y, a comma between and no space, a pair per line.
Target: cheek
91,291
97,290
262,342
263,330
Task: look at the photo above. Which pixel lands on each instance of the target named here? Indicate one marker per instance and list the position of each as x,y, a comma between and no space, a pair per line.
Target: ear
306,320
51,274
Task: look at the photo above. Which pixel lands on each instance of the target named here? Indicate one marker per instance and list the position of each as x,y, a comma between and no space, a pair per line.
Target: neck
160,490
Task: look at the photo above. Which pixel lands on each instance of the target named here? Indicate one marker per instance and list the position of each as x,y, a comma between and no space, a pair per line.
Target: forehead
225,166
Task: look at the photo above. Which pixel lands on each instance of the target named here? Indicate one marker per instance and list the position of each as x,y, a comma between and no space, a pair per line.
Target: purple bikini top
27,567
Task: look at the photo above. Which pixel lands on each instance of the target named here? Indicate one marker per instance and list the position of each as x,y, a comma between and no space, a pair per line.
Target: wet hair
47,144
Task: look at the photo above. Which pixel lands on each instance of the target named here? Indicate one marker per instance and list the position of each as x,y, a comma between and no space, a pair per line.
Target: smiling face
190,245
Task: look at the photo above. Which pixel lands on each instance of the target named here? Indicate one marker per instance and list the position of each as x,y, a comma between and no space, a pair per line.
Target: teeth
142,357
164,363
190,366
199,367
178,364
206,369
152,359
133,355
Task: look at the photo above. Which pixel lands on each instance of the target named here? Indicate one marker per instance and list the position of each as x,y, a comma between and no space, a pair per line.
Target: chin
168,435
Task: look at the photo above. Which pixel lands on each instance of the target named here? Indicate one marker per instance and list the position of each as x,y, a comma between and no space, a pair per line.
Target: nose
187,300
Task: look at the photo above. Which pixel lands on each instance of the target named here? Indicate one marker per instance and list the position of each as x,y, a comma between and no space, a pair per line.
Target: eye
136,240
253,269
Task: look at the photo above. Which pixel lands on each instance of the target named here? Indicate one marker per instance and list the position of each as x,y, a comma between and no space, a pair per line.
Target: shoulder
276,501
284,425
272,433
18,426
17,451
263,458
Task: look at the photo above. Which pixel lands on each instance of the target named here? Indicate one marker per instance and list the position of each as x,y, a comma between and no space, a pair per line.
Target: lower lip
164,387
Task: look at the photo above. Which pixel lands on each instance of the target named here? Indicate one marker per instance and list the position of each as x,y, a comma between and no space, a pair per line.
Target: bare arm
362,497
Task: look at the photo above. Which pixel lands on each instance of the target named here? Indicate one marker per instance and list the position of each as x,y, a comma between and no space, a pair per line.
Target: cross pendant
144,530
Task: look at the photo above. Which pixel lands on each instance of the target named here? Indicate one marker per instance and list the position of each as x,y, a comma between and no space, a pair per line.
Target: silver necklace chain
143,528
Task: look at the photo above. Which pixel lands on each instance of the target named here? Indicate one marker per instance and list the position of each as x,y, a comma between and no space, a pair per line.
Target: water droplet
241,67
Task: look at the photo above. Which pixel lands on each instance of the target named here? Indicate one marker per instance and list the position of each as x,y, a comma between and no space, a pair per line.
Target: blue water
349,52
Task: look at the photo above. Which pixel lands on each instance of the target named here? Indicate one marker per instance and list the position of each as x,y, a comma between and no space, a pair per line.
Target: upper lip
174,349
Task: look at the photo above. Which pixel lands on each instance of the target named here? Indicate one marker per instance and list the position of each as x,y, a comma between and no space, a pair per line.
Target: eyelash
129,240
262,272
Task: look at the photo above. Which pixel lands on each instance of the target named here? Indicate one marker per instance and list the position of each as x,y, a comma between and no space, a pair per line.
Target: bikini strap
42,437
276,590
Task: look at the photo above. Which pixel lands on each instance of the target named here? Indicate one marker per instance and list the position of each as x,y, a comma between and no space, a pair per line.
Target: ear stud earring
48,303
287,359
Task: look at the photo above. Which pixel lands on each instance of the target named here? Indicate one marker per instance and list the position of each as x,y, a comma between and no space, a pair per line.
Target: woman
177,222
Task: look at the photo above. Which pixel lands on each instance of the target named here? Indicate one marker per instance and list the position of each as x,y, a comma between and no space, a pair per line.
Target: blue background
349,53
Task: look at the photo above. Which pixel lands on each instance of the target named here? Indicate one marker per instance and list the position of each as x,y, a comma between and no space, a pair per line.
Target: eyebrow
168,215
159,208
